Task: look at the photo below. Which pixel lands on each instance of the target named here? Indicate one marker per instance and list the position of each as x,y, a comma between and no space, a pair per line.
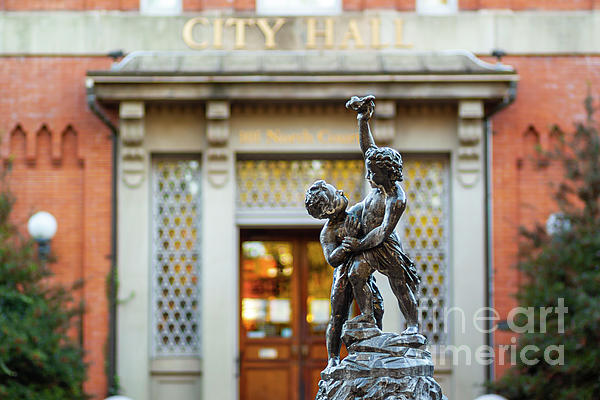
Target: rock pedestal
380,366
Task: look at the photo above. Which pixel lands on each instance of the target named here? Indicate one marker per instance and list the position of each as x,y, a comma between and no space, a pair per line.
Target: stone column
468,235
220,260
133,263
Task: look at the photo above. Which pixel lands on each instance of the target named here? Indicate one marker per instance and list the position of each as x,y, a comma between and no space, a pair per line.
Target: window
298,7
176,257
437,6
271,185
282,184
425,239
160,7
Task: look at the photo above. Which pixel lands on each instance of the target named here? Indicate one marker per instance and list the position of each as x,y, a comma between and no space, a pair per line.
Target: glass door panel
267,298
319,279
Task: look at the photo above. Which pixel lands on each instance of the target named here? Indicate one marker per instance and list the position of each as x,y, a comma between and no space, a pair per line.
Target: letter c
188,30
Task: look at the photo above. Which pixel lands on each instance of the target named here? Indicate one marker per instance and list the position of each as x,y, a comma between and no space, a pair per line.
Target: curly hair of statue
388,160
316,201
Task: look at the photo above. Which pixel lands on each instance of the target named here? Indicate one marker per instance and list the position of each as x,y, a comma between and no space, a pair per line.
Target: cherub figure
323,201
380,249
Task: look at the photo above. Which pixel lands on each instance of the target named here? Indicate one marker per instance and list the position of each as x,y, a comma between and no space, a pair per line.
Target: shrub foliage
39,360
564,263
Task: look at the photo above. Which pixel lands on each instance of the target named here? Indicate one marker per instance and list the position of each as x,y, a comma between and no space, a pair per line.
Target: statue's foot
411,330
333,362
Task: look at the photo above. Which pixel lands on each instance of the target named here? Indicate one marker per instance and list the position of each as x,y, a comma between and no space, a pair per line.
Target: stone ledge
307,62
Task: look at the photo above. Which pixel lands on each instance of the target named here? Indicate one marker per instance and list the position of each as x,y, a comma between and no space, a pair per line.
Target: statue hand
364,106
350,243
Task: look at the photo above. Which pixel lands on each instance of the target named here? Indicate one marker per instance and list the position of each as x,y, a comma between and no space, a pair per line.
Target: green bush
38,358
564,264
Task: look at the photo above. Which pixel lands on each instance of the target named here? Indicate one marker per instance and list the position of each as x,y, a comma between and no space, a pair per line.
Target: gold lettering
376,34
240,30
273,135
188,33
312,32
399,33
218,33
307,137
354,34
326,137
321,136
268,31
250,136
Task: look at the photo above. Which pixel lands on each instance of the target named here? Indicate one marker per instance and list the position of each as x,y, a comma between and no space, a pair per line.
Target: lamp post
42,227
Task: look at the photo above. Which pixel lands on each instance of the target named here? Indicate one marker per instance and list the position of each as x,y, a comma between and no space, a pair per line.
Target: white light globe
42,226
490,397
117,398
557,223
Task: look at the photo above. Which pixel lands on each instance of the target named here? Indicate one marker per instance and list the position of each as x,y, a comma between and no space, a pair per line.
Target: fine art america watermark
487,320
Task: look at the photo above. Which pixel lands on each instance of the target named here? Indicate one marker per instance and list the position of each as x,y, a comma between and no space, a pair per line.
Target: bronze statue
357,242
380,249
323,201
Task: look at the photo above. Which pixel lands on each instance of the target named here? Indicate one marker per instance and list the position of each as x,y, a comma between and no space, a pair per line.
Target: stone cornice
98,32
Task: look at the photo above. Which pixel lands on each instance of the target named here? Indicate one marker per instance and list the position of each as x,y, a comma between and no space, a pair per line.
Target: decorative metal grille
281,184
276,184
425,239
176,257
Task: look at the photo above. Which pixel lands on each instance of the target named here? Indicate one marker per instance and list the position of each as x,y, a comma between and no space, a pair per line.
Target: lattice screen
176,257
279,184
276,184
425,238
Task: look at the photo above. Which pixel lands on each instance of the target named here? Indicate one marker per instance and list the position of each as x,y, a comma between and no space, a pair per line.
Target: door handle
294,350
304,350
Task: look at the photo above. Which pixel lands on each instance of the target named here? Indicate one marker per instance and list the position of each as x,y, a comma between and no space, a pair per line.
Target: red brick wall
62,164
521,5
551,91
19,5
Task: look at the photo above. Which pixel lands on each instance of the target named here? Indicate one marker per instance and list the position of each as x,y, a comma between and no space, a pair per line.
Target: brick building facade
61,151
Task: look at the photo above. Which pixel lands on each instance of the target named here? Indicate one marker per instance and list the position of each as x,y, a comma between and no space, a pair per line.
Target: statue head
384,166
323,200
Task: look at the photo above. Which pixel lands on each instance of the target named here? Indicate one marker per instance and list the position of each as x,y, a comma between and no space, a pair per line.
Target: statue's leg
377,303
407,301
359,275
341,298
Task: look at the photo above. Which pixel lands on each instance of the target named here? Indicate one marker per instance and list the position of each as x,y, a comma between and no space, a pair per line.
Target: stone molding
217,135
470,135
133,155
384,128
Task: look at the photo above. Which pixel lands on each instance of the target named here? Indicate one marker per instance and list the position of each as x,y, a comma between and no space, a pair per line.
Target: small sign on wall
267,353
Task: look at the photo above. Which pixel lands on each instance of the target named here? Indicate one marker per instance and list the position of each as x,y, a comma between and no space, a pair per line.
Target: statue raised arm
380,249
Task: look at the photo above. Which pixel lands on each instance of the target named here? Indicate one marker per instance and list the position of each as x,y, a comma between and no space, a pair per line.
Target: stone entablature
98,32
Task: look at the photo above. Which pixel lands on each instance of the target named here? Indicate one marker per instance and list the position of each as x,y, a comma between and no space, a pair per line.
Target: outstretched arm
364,131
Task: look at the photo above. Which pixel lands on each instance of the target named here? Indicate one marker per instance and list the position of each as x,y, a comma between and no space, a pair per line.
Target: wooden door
284,310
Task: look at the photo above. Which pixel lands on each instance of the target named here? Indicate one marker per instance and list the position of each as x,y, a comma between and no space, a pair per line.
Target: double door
284,310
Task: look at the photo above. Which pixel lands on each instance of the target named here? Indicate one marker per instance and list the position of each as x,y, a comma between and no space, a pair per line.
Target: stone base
380,366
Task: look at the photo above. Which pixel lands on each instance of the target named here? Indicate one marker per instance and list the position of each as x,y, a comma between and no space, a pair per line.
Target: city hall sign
309,33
